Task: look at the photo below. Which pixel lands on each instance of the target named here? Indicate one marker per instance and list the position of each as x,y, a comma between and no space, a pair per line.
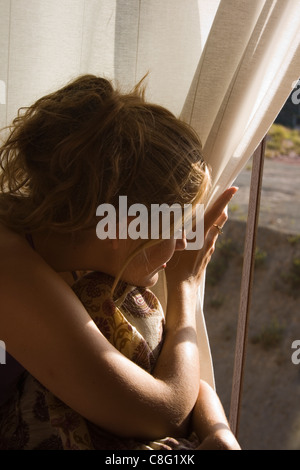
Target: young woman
71,151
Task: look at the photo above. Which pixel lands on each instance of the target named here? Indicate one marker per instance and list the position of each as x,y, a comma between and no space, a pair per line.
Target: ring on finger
219,229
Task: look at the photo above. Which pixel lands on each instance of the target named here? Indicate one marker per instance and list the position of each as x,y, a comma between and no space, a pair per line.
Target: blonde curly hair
85,145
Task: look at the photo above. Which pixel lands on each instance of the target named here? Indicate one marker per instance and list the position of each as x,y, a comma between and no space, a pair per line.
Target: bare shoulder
37,311
20,264
14,251
9,240
16,261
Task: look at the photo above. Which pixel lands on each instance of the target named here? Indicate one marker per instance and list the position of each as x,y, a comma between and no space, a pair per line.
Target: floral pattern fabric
133,322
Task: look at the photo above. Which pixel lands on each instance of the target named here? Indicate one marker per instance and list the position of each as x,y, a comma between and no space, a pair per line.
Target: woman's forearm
178,364
210,423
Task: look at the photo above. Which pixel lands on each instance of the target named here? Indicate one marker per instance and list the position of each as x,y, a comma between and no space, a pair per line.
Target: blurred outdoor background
270,416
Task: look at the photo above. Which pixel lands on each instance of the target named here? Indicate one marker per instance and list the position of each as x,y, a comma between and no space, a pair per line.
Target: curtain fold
225,66
256,53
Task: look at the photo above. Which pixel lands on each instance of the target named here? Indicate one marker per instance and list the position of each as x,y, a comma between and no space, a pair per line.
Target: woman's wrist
182,300
184,287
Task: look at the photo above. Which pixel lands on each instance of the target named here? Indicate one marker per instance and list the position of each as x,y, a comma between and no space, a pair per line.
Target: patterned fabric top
133,320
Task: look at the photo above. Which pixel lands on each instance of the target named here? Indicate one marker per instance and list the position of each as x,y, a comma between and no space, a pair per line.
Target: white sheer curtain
226,66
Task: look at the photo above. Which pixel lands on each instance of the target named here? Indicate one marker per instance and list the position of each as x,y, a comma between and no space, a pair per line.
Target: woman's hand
190,265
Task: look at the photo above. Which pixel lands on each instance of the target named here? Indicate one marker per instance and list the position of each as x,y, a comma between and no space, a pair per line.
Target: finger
216,211
221,221
214,231
211,237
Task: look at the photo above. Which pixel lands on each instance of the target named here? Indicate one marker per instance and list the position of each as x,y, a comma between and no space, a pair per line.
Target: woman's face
143,269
